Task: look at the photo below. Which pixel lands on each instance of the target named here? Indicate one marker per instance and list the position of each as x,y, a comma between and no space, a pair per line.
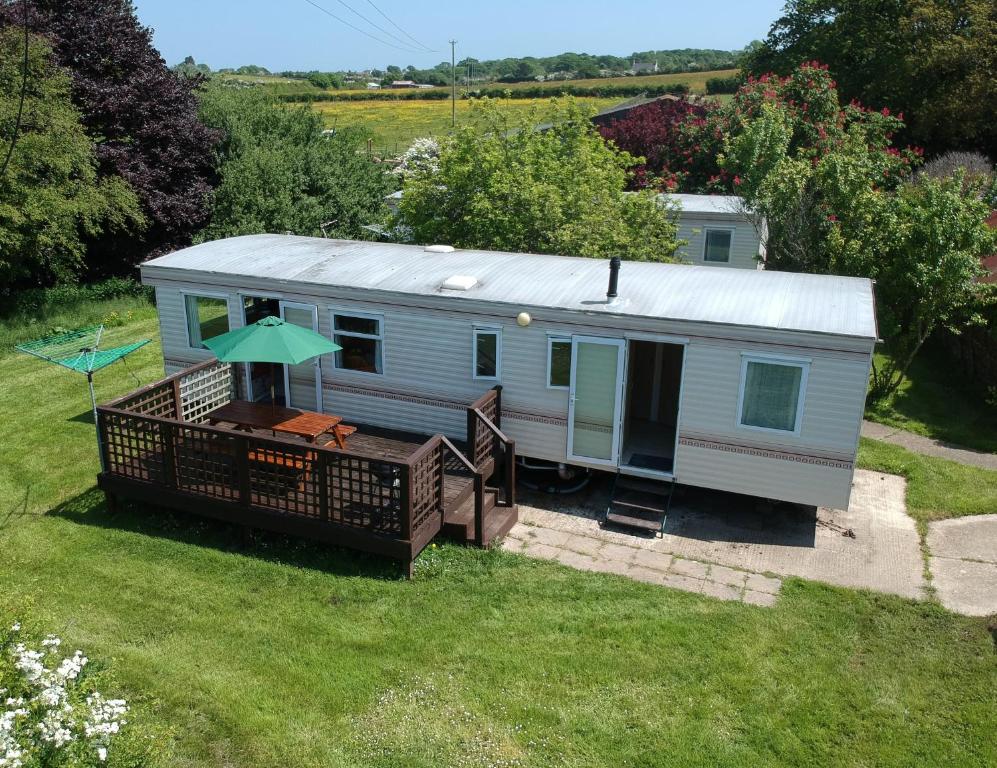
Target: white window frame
551,338
379,338
803,363
496,331
706,238
203,295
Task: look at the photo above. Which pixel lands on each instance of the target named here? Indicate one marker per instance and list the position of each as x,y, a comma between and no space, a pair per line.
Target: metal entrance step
639,503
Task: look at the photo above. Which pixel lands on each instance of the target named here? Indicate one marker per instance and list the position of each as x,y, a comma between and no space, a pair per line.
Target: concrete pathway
964,563
928,446
593,553
732,546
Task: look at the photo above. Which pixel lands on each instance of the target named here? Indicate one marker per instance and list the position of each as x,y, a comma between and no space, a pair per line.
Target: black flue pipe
614,278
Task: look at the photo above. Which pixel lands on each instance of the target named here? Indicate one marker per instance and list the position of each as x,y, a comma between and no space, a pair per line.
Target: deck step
458,524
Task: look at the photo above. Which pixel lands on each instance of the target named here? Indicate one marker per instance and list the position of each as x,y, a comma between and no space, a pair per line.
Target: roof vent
459,283
439,249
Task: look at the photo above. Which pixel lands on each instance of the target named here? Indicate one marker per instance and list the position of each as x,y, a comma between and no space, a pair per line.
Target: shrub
52,714
715,85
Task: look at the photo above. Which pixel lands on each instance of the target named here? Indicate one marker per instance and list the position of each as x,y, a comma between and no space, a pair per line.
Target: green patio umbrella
270,340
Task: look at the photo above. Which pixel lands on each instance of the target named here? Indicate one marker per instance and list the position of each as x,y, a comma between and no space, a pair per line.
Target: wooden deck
387,491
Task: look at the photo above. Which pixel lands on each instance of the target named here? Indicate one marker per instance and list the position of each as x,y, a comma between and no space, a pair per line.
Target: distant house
719,232
403,84
372,86
643,67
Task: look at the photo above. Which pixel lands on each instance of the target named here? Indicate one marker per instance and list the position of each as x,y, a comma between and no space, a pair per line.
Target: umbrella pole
273,380
96,424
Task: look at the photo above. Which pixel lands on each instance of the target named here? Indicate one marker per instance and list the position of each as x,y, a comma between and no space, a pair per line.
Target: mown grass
283,653
936,402
394,124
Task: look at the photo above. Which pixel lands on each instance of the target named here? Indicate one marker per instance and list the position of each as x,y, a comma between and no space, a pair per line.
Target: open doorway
654,380
264,382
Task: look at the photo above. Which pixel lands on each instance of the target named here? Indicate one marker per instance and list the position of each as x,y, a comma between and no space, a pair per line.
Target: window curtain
193,323
771,395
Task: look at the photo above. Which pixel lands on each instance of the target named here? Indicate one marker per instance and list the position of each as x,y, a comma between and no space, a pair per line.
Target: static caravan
719,232
739,380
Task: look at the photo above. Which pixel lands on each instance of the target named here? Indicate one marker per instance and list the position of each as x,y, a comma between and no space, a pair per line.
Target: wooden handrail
460,456
488,423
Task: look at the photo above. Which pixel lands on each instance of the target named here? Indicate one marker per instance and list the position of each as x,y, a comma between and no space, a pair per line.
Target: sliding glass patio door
303,382
595,400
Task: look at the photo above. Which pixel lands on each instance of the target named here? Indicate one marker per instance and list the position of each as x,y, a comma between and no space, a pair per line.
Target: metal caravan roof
824,304
714,205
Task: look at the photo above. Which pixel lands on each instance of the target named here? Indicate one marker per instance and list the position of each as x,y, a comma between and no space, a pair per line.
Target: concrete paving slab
966,586
721,591
965,538
691,568
963,563
724,575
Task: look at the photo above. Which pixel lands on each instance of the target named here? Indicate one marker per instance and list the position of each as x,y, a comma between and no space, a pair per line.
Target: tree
674,139
280,173
141,116
839,198
50,194
932,60
924,253
503,185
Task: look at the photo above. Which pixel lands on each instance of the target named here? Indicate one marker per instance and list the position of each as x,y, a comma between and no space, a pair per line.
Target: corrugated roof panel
754,298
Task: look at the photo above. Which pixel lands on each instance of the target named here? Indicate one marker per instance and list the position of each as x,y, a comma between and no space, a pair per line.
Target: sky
297,35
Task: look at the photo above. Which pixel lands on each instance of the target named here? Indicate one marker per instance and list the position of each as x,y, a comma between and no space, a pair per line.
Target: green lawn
284,653
934,401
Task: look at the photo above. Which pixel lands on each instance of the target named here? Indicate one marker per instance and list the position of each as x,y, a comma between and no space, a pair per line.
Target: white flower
102,753
16,627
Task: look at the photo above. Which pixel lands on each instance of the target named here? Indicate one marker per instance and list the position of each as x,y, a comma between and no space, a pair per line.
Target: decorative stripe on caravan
387,394
764,452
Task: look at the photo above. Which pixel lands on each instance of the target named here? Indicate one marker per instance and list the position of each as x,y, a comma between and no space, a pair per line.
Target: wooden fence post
242,470
405,501
168,436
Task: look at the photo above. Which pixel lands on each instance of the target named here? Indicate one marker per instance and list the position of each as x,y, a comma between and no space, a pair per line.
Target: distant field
396,123
695,80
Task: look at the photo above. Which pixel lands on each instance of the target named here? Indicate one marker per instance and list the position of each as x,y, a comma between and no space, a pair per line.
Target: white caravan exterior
719,232
740,380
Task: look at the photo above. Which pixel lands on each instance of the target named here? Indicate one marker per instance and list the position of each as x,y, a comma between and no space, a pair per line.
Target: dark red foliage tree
141,116
678,142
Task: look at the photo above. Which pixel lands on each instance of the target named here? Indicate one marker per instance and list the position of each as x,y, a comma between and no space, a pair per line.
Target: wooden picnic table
246,415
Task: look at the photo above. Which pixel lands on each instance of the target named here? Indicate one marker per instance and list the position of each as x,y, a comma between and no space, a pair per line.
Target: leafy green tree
51,197
503,185
932,60
840,199
280,173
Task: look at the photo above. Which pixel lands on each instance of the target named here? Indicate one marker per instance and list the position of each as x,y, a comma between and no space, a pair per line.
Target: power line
361,31
357,13
392,23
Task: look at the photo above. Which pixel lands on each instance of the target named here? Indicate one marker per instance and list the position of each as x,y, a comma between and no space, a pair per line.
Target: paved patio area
736,547
963,563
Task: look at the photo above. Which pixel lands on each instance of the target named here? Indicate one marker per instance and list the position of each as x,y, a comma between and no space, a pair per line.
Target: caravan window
772,393
718,245
361,337
558,362
207,317
487,352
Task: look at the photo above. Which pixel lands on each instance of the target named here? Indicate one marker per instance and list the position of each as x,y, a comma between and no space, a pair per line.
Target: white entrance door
595,400
303,382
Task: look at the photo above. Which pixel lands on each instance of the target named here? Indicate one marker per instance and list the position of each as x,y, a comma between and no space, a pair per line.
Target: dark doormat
647,461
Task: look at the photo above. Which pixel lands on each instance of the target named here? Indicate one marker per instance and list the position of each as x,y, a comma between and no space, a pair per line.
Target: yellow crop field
394,124
695,80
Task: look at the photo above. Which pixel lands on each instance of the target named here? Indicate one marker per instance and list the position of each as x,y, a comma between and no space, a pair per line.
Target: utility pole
453,85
